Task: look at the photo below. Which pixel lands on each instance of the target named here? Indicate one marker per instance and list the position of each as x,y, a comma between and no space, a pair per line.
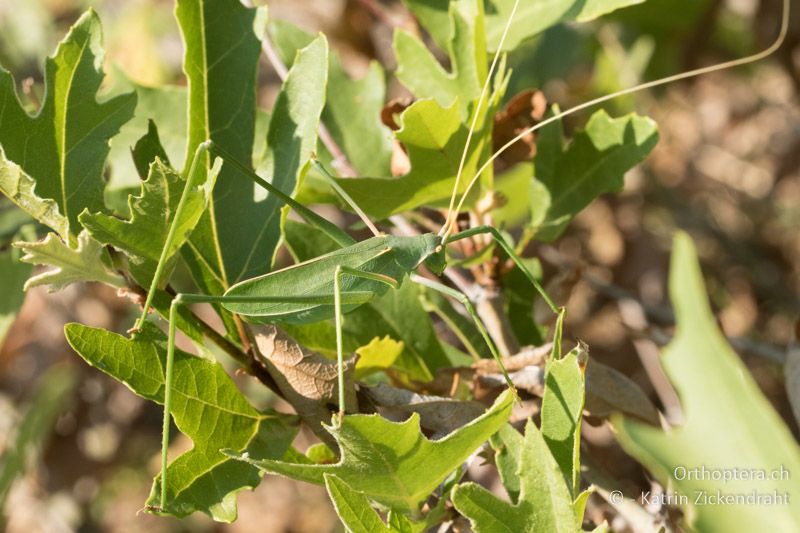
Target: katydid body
327,286
338,282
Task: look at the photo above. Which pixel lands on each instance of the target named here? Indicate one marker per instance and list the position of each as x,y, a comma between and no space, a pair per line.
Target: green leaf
292,138
353,508
147,149
86,262
152,212
434,138
533,18
64,146
222,48
207,407
393,463
13,274
461,326
19,187
422,74
544,502
166,106
353,106
727,422
562,407
379,354
595,162
508,444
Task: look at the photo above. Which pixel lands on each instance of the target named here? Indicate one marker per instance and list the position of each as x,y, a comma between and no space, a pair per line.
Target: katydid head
437,261
411,252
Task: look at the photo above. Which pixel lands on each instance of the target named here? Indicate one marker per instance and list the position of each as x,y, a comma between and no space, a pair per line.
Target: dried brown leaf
523,111
308,380
438,415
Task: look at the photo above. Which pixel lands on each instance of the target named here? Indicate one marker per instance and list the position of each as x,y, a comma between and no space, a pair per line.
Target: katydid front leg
559,311
337,302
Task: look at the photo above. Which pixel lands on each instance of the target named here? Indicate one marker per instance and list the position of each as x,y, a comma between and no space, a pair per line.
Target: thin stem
648,85
481,230
444,289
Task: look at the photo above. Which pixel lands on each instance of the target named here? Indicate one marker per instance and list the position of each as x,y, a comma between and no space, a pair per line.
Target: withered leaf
523,111
438,415
308,380
608,390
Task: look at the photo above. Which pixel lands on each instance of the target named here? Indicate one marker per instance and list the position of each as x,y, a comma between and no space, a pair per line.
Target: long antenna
682,76
476,114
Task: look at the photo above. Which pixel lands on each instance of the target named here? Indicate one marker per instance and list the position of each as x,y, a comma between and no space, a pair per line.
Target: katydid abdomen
390,257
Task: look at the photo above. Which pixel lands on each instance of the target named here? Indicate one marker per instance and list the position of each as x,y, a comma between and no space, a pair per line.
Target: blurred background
727,169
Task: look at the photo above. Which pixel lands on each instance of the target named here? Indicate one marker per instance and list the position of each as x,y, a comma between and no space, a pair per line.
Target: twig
378,12
247,362
665,316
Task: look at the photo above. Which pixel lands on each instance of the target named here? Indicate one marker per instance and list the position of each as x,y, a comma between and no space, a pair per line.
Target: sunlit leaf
144,236
544,502
353,106
532,18
728,424
87,261
393,463
594,162
562,407
63,148
206,406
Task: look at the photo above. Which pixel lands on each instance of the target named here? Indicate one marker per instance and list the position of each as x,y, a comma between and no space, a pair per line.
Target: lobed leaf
221,41
85,262
20,188
434,138
422,74
206,406
595,162
144,235
393,463
63,148
728,423
291,139
532,18
544,502
352,106
562,407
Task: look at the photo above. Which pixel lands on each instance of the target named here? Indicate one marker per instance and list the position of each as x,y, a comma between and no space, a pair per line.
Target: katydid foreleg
465,301
337,299
498,238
